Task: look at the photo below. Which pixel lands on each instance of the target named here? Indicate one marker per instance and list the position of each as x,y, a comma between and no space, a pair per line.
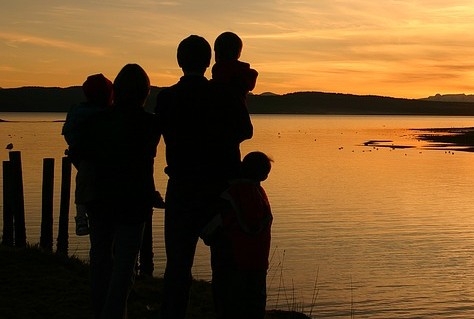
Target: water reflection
385,232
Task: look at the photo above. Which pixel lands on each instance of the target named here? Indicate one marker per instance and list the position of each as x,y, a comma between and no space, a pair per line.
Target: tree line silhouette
54,99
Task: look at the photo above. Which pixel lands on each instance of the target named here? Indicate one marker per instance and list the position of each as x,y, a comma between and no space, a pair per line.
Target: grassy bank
37,285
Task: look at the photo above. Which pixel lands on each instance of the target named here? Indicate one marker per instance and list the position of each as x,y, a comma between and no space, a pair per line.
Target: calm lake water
379,232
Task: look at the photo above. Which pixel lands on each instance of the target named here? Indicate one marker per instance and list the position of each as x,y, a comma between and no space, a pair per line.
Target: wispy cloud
18,39
387,46
7,68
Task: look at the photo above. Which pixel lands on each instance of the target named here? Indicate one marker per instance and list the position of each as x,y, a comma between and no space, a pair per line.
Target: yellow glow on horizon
398,48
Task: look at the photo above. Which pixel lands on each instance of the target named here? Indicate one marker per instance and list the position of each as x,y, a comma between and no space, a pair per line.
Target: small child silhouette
228,68
98,91
240,243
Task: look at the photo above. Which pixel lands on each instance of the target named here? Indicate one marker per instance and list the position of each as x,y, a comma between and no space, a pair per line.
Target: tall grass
287,297
41,285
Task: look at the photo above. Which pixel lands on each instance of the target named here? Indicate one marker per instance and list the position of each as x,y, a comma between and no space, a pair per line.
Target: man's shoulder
170,91
184,83
189,89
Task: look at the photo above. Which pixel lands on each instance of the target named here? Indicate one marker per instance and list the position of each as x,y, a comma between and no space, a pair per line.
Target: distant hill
451,98
337,103
47,99
53,99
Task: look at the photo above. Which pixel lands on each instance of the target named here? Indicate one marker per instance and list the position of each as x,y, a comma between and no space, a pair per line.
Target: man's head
194,54
131,86
227,47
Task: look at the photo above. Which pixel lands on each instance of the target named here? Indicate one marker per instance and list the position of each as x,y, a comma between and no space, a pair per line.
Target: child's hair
98,89
256,166
227,46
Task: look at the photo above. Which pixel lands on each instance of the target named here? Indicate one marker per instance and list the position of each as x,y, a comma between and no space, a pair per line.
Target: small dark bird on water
9,146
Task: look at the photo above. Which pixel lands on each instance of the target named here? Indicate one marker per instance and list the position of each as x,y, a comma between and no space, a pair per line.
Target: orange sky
400,48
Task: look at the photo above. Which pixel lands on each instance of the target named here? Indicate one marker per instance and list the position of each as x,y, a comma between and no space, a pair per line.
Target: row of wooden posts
14,228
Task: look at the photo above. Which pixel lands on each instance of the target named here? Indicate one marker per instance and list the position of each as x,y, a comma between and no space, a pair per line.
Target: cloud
334,44
7,68
18,39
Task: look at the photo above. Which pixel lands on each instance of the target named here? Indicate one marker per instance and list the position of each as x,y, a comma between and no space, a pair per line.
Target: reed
315,293
287,298
38,284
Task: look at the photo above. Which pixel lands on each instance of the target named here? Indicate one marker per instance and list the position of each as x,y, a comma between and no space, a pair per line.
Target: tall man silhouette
203,124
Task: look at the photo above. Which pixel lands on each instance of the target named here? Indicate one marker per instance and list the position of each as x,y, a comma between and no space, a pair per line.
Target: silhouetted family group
211,194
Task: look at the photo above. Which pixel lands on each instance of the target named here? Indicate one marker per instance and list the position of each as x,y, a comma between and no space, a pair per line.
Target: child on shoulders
228,69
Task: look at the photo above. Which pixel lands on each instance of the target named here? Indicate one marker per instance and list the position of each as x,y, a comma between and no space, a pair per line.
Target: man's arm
235,116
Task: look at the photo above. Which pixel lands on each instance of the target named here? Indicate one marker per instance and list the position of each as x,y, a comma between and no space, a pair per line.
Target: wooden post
46,238
146,265
7,238
63,232
18,200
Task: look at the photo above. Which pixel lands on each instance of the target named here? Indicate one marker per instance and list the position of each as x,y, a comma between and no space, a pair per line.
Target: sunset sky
399,48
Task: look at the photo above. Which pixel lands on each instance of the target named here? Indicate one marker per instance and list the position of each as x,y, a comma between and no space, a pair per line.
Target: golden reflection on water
395,224
387,232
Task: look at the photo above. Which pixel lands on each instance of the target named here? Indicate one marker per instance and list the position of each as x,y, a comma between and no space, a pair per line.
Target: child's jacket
235,73
246,227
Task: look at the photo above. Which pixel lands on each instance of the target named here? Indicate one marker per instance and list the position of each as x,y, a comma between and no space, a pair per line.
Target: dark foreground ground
40,285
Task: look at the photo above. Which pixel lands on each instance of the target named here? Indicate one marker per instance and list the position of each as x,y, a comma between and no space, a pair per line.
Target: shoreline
39,284
448,139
